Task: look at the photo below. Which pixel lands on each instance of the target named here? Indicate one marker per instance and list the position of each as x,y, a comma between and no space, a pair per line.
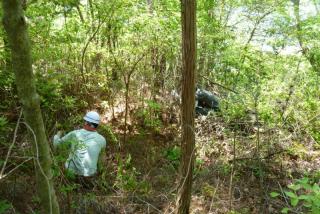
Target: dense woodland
138,63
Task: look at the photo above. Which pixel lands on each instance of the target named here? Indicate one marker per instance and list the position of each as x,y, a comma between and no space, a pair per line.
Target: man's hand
56,138
59,133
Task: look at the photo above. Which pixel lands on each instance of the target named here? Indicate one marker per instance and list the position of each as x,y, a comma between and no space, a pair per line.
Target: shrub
303,192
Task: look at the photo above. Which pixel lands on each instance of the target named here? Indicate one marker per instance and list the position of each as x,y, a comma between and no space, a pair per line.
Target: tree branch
222,86
11,146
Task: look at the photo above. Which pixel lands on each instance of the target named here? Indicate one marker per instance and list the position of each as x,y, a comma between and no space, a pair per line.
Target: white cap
92,117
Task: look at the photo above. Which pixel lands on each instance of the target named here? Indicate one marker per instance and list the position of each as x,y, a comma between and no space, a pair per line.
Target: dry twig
11,146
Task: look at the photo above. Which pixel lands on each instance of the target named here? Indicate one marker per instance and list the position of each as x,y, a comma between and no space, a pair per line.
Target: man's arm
57,140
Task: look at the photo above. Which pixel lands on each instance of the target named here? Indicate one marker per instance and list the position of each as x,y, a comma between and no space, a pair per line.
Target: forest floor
238,165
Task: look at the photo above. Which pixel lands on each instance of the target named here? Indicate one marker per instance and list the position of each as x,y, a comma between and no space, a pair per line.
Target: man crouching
85,147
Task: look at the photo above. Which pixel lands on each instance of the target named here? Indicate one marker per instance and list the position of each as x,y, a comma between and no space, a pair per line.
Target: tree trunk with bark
15,25
309,53
188,15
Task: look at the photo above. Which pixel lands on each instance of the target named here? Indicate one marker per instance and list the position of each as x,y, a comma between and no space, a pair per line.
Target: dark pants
87,182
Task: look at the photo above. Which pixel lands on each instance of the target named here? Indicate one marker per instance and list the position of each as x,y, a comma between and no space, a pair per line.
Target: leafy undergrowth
236,171
241,168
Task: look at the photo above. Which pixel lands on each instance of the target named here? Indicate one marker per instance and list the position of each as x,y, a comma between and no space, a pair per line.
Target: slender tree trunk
246,46
308,53
127,84
316,6
150,6
15,25
188,101
91,9
80,13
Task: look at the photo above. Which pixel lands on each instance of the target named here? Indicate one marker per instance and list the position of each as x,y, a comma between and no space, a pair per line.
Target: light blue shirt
85,149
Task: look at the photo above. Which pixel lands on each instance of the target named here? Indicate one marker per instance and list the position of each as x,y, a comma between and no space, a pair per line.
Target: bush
173,155
4,206
303,192
150,116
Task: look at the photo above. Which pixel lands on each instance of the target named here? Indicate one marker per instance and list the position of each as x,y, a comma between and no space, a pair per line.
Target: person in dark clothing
206,102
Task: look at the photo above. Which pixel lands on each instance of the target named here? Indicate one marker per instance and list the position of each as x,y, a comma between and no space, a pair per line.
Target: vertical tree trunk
80,13
127,79
91,9
316,6
15,25
308,53
150,6
127,85
188,101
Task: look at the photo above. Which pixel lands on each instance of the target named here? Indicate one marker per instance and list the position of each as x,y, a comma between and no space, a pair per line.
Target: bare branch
222,86
11,146
39,164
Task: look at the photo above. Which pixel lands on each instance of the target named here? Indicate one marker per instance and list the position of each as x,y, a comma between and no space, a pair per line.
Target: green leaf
307,205
304,180
285,210
291,194
4,206
295,187
306,186
294,201
315,188
304,197
274,194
